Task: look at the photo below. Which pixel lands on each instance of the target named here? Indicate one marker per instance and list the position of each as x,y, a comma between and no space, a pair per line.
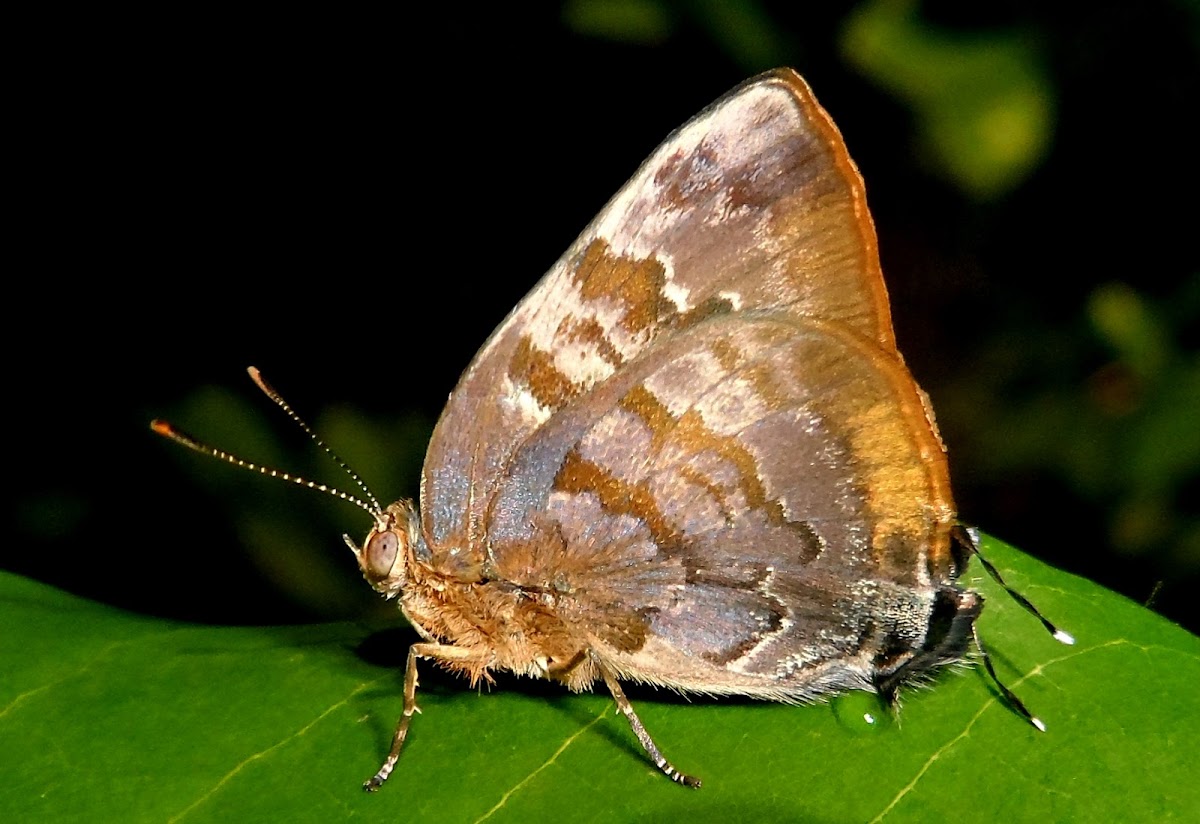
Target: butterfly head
386,554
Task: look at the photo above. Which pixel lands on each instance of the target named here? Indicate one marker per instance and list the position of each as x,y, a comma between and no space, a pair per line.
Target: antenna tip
1064,637
1037,722
261,383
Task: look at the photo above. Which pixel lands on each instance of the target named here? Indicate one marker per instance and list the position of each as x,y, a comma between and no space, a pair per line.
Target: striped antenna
270,392
180,437
371,505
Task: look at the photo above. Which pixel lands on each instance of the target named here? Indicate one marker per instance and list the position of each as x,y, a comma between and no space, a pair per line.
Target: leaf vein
87,665
554,757
992,701
229,776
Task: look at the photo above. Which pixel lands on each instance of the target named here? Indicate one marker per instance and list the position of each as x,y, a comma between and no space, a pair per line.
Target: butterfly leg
640,731
436,652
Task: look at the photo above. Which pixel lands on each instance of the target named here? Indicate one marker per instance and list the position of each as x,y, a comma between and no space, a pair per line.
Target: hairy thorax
502,625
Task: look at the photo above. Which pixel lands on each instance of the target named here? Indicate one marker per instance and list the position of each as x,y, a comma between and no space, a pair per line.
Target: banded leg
640,731
434,652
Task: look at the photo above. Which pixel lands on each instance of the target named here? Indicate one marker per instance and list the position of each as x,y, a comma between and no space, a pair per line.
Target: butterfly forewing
754,204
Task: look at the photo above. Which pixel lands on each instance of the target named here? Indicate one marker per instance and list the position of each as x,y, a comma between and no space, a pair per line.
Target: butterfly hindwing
713,516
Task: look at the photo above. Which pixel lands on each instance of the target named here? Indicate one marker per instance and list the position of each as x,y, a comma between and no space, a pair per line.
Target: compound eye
381,553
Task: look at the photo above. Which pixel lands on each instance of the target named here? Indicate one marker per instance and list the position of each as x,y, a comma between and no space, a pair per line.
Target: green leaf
106,715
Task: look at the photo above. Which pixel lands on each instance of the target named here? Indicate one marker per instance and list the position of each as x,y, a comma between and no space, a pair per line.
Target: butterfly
692,456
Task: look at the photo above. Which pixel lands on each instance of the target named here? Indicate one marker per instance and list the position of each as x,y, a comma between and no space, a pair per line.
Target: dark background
353,203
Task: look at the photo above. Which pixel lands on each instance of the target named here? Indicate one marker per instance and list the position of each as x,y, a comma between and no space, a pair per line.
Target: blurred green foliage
1123,436
1030,169
982,102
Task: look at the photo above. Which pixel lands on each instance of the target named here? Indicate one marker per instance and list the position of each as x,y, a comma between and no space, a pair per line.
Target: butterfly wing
699,413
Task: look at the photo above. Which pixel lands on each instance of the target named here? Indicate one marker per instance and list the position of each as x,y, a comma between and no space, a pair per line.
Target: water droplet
861,712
